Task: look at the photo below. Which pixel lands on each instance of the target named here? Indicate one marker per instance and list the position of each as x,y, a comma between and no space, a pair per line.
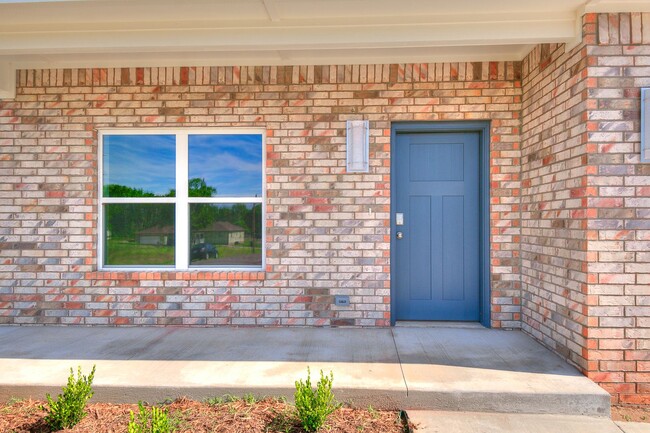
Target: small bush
249,398
154,421
315,405
214,401
69,407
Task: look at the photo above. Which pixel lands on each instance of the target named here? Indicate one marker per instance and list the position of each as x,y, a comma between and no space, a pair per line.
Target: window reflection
225,234
139,165
227,165
139,234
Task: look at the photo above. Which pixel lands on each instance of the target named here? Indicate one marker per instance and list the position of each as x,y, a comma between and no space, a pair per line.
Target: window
181,199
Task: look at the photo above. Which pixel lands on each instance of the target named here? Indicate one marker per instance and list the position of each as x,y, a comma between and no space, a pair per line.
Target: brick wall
553,202
321,238
619,204
586,203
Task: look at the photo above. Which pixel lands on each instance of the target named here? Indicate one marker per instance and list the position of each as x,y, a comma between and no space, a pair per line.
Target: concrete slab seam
619,427
399,361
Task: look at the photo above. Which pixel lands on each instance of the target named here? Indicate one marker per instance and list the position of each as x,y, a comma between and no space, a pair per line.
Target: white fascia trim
7,80
280,58
42,1
613,6
284,38
577,37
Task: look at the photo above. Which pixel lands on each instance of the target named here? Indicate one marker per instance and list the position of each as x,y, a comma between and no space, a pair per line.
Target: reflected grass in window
226,235
128,253
139,234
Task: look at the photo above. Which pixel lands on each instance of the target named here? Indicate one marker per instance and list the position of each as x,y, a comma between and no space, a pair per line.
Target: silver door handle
399,235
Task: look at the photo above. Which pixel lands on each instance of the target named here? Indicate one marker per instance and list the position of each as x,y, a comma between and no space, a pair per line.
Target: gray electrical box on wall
342,301
645,125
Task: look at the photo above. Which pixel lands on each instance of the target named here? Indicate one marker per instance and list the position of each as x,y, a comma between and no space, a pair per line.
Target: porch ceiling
123,33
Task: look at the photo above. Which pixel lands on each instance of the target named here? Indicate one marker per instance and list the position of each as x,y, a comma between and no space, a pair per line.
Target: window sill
252,275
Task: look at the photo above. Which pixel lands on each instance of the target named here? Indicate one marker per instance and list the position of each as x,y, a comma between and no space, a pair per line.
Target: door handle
399,235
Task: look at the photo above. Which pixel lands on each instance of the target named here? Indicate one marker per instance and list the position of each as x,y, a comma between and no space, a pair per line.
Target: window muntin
164,192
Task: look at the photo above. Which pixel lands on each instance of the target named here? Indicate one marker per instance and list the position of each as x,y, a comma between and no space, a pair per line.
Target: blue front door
437,246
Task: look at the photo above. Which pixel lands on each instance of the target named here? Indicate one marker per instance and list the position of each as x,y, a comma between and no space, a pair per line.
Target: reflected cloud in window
230,164
139,165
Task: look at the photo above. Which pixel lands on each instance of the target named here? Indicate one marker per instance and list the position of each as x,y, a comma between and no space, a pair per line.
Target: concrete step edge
393,399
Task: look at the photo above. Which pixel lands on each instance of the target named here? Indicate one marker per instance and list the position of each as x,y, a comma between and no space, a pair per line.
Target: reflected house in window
219,233
156,236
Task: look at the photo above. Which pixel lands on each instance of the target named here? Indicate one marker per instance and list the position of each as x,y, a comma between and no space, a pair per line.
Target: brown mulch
265,416
631,413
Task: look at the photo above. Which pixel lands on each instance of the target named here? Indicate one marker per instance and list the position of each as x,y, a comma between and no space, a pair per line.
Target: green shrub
69,407
154,421
314,405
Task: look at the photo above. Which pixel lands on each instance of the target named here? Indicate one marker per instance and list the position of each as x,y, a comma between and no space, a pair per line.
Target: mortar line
399,360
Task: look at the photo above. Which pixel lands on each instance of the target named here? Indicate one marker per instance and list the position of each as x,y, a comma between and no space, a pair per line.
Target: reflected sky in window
230,163
144,162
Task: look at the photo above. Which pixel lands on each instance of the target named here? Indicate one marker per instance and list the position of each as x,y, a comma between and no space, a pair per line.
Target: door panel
453,269
437,261
420,247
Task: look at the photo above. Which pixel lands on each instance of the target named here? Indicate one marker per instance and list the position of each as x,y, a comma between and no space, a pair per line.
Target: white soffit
121,33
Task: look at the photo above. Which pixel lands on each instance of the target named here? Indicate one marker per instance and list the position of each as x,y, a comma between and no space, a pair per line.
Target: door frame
483,129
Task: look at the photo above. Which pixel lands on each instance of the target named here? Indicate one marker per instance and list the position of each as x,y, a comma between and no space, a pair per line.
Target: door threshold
438,324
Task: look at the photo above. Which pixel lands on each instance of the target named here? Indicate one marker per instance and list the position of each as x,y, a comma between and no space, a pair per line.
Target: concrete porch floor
447,369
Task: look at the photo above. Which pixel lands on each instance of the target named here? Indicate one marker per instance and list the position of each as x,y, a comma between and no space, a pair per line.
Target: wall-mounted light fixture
645,125
356,139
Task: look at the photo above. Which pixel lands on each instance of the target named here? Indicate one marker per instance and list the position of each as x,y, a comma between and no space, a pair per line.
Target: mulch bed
265,416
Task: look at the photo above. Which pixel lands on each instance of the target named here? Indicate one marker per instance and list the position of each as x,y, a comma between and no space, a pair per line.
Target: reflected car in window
203,251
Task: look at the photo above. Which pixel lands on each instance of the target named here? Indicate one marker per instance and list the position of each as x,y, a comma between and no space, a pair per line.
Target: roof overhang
128,33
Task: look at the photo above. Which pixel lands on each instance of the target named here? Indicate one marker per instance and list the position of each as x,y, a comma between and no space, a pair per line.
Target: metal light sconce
645,125
357,147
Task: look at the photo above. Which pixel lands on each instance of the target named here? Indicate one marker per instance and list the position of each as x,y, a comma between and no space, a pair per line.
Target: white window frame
182,200
645,125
